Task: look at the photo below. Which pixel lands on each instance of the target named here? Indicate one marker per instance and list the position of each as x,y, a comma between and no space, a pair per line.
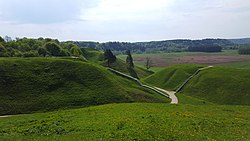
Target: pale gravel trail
172,96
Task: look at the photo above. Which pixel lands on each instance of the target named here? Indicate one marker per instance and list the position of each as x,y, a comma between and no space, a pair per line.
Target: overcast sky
125,20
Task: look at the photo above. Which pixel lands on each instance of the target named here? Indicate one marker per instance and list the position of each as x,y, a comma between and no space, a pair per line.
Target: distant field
240,65
168,59
136,121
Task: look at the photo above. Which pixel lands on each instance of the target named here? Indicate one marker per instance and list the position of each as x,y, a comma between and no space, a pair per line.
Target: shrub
244,50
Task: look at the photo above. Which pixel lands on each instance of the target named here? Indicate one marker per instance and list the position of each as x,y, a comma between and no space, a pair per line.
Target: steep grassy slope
132,122
97,57
93,55
172,77
138,72
221,85
41,84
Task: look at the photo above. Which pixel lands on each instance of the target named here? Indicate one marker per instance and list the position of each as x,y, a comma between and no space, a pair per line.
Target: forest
206,45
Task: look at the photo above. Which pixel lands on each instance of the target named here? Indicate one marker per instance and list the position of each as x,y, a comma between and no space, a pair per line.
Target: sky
125,20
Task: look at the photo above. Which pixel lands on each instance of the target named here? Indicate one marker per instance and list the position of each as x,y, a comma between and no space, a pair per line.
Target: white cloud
126,10
126,20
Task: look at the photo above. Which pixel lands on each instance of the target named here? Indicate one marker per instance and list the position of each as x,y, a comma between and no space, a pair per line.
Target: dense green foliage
172,77
132,122
244,50
41,84
221,85
24,47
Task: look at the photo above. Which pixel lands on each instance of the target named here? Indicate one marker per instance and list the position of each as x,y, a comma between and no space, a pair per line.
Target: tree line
206,45
245,50
41,47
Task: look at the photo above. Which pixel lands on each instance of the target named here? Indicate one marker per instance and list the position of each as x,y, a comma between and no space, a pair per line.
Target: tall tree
129,59
148,63
109,56
53,48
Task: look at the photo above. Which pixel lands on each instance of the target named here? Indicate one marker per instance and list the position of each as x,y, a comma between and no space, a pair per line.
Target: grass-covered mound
42,84
132,122
172,77
137,72
96,56
221,85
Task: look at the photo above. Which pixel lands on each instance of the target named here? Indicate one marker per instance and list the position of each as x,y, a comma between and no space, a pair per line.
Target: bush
42,51
244,50
2,51
54,49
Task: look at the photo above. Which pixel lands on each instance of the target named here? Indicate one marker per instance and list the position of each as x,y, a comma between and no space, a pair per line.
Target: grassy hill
172,77
97,57
139,72
137,121
221,85
42,84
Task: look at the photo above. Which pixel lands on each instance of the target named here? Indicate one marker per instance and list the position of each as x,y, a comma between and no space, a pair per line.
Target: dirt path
6,116
172,96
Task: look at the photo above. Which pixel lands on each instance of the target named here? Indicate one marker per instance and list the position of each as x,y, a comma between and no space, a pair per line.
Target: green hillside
221,85
97,57
135,121
139,72
172,77
42,84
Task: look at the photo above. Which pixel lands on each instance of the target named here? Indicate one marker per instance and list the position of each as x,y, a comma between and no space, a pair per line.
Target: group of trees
109,56
244,50
24,47
207,45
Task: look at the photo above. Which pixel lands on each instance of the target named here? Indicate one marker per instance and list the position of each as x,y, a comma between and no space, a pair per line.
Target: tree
129,59
109,56
244,50
2,51
1,39
148,63
42,51
53,48
75,50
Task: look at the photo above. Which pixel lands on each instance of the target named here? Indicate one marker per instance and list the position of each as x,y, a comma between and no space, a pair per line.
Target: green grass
185,99
92,55
239,65
121,66
132,122
95,56
43,84
221,85
172,77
